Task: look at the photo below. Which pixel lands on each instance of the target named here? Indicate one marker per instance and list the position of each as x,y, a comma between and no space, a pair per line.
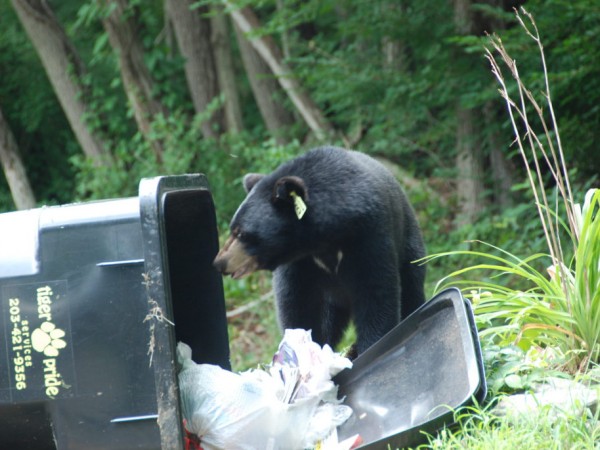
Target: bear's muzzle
233,260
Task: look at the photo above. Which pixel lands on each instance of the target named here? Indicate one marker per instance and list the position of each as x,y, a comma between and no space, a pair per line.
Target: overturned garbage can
409,383
93,298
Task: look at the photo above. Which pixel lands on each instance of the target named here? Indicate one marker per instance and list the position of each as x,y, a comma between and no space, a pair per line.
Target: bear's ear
291,191
251,179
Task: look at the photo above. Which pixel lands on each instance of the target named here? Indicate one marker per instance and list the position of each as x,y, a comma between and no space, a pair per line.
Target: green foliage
402,108
224,161
398,102
549,429
571,47
34,116
531,322
510,369
581,284
514,228
517,302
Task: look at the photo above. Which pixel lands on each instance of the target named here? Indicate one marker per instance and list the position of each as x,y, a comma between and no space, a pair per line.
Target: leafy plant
510,369
521,304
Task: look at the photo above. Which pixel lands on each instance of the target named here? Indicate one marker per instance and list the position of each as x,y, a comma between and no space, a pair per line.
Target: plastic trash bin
93,298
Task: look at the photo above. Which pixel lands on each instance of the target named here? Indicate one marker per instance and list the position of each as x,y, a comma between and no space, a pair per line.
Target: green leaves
510,369
516,303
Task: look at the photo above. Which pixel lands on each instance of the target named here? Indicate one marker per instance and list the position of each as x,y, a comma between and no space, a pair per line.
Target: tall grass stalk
562,309
553,155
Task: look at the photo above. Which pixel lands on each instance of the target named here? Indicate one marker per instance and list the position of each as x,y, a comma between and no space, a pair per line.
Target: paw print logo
48,339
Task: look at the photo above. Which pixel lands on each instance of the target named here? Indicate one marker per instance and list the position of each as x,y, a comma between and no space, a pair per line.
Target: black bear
340,236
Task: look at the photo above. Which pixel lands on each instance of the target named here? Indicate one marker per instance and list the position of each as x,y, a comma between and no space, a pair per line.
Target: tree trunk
137,81
394,54
224,63
394,51
267,91
469,158
13,167
266,47
501,167
193,33
64,69
470,168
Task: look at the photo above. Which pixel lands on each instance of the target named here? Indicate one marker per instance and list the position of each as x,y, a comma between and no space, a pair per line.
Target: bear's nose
220,264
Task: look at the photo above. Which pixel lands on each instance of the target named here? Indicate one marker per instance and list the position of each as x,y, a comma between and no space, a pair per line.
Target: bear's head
267,229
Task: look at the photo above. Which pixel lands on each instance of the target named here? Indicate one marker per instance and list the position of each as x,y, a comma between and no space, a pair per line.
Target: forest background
95,95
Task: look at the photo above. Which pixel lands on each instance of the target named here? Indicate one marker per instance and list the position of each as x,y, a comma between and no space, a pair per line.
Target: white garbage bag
291,405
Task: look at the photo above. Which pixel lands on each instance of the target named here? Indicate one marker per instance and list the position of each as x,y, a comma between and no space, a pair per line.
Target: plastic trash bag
291,405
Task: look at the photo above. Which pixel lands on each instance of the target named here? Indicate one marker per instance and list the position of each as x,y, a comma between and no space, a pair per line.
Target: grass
550,429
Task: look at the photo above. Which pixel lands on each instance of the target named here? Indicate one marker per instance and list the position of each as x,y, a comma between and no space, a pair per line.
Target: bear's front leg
304,298
370,272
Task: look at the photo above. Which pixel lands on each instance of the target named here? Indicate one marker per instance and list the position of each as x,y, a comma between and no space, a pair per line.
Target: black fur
349,257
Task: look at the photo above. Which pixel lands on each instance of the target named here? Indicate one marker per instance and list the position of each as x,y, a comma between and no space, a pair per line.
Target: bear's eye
240,235
237,233
246,237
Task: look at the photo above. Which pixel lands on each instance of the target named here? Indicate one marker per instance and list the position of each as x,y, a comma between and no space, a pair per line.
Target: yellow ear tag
299,205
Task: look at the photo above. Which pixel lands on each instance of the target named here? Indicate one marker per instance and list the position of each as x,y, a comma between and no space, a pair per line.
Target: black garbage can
93,298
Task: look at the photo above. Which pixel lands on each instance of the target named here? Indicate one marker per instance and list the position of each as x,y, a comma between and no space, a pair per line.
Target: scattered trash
563,396
291,404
